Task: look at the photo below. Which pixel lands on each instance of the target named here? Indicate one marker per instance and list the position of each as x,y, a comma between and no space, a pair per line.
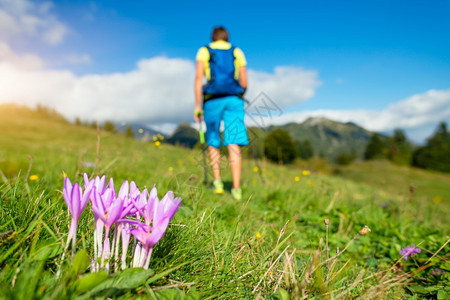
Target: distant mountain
329,138
184,135
140,131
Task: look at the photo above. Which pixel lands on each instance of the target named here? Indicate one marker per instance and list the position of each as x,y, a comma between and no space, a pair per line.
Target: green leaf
81,262
283,294
193,294
169,294
103,285
45,250
442,294
90,281
132,278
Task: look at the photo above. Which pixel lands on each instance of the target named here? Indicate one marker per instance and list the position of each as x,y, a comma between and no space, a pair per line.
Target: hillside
270,245
329,138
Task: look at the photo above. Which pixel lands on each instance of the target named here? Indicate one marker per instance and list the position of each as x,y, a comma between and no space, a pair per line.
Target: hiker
220,99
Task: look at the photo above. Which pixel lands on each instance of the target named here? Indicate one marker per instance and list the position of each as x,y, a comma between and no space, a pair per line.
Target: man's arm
198,91
243,76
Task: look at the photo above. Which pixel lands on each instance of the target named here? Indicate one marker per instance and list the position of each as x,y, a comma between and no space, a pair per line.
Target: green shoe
236,193
218,186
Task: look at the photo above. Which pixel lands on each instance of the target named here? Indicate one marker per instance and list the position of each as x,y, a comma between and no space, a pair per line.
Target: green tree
184,135
256,138
345,158
374,148
399,149
435,155
93,124
109,126
305,150
129,132
279,147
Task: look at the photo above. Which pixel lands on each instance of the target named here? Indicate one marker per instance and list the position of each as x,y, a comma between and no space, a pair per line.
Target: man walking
224,67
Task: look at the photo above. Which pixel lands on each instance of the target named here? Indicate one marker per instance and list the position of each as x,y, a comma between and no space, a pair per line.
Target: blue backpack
222,82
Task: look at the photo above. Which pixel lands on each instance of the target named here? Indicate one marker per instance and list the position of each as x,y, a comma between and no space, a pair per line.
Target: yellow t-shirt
203,55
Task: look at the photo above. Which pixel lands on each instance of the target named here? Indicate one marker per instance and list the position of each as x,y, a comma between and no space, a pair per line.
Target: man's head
220,34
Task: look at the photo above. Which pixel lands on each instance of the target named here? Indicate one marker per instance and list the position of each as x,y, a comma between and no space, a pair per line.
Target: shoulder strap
208,48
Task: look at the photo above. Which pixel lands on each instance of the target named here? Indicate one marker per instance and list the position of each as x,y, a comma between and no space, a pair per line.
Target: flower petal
67,193
123,192
76,201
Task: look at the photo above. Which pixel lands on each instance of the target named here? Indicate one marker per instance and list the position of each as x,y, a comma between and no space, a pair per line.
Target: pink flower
159,213
76,201
409,251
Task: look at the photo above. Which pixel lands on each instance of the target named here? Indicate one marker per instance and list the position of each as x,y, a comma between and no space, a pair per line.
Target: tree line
433,155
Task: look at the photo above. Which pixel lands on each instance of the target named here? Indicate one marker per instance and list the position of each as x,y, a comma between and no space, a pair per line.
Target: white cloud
417,115
55,34
286,86
34,86
25,19
24,61
159,90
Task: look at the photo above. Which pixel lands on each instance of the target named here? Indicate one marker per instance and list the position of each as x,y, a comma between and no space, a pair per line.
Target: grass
272,245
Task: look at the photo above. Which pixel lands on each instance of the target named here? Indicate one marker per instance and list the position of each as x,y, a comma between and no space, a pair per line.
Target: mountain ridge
328,138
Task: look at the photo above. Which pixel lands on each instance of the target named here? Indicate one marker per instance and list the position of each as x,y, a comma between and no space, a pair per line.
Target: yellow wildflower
34,177
258,235
64,175
170,169
255,169
297,179
305,172
157,143
141,130
437,199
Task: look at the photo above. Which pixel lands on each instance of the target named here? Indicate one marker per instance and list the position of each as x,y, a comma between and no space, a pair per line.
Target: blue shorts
230,110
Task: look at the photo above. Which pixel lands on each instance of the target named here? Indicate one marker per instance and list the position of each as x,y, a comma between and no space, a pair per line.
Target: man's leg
235,164
214,157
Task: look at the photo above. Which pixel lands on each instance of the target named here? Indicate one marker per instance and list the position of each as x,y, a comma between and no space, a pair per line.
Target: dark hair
220,34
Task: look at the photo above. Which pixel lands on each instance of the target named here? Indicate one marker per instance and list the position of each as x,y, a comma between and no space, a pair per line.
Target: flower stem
147,261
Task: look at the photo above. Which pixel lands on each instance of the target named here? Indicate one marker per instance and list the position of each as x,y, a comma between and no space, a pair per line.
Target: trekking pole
201,134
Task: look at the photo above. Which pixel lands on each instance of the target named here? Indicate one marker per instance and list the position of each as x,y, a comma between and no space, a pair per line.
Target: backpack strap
208,48
210,51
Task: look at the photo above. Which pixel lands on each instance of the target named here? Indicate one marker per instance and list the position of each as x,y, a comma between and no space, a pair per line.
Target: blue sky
381,64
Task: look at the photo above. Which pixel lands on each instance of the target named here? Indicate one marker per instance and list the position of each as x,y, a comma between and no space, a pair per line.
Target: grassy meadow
274,244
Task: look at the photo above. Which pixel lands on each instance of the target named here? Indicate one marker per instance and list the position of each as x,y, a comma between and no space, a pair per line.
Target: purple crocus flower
76,201
108,208
99,185
98,182
161,213
409,251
